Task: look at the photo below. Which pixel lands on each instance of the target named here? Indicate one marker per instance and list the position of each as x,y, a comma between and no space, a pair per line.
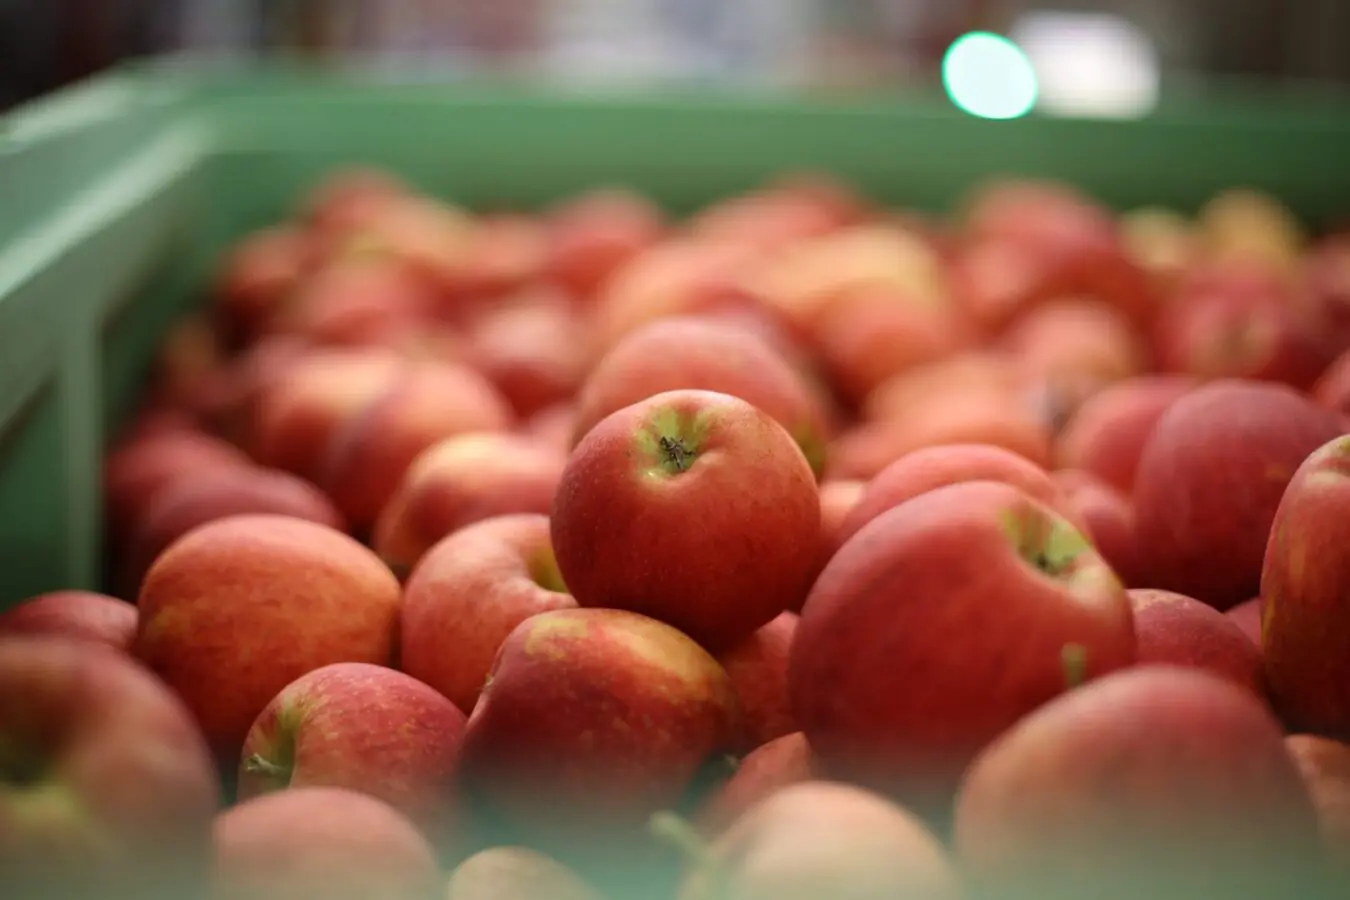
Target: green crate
117,196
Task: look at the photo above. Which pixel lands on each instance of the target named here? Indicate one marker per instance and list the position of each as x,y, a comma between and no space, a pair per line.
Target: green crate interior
117,196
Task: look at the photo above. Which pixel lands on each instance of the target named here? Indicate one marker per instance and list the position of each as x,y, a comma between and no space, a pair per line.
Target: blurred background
1086,57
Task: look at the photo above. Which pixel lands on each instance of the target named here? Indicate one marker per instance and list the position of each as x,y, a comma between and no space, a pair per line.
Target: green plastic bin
117,196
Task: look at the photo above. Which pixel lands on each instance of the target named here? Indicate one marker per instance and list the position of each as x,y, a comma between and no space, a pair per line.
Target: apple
766,220
1158,781
322,842
1305,635
516,873
1108,520
188,362
1325,766
689,352
239,608
1332,389
1076,346
1172,629
1326,268
757,667
347,298
984,372
768,768
362,727
1247,617
1244,224
592,235
1107,432
590,720
258,273
462,480
1210,478
106,788
941,623
365,461
346,198
73,614
1160,240
469,593
188,502
534,349
552,426
929,468
692,507
507,252
822,839
838,498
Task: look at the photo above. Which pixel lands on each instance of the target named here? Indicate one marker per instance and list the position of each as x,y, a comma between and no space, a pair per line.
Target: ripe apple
535,349
942,622
462,480
516,873
594,234
362,727
106,788
322,842
1325,766
345,299
702,354
1247,617
1173,629
74,614
239,608
766,769
757,667
1074,347
258,273
985,373
1108,520
692,507
1154,782
838,498
1209,480
1332,389
1305,635
821,839
469,593
591,720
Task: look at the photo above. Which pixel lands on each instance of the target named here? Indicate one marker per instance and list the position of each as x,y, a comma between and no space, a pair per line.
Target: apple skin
1332,389
322,842
838,497
516,873
930,468
592,235
934,628
757,667
822,839
74,614
462,480
1325,766
692,507
1247,617
258,272
186,503
1158,781
591,720
688,352
1305,629
239,608
1107,518
1210,479
534,349
1172,629
766,769
469,593
1107,433
106,788
365,728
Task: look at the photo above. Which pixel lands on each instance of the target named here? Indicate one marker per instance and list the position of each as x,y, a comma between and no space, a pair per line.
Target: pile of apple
797,548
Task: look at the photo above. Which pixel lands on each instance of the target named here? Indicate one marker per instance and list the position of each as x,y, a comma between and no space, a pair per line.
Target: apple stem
1073,657
676,831
678,456
257,765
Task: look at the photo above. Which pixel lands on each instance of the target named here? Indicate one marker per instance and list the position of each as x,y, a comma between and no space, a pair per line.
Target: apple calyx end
256,764
1073,659
676,456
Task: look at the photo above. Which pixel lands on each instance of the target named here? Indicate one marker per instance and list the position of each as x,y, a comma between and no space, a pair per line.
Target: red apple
820,839
516,873
1172,629
346,299
463,480
1107,519
106,789
981,373
535,349
1332,388
1247,617
1074,347
929,468
701,354
1107,432
322,842
592,235
1154,782
468,593
765,770
1305,635
1210,478
757,667
692,507
239,608
186,503
1325,765
362,727
593,719
838,498
74,614
259,272
942,622
1326,269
